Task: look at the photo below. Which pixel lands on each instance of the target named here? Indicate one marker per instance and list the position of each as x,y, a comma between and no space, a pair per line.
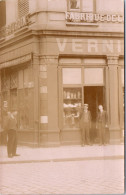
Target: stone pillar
49,101
114,99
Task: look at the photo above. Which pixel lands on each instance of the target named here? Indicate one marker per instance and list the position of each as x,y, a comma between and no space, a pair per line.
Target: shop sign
14,62
82,18
15,26
82,46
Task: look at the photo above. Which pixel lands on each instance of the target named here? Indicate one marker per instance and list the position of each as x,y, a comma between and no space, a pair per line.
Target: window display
72,100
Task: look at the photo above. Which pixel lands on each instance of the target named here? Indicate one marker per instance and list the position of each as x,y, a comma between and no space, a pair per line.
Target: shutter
23,8
2,13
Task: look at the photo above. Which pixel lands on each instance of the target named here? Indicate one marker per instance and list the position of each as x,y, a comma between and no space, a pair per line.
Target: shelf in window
72,98
72,107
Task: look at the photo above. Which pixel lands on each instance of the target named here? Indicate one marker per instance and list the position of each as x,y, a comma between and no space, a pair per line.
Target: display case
72,100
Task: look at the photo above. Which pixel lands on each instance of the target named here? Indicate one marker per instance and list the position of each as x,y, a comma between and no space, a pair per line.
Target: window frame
81,7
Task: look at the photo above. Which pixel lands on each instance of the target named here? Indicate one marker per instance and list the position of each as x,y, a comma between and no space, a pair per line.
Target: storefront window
26,100
93,76
72,98
13,98
17,90
13,80
71,75
79,89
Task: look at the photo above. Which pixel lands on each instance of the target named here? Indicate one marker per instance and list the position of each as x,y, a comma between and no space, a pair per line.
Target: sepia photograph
62,97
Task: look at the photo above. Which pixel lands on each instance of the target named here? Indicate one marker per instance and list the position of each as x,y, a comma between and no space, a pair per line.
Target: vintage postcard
61,97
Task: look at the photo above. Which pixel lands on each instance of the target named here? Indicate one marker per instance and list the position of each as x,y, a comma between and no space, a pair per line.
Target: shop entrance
94,96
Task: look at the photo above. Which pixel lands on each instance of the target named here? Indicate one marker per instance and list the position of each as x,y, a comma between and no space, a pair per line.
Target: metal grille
23,8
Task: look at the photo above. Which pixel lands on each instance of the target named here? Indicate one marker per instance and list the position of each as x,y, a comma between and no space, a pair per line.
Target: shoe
10,156
16,155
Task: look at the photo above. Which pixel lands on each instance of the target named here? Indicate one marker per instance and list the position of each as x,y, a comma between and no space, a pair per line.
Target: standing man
101,124
85,125
11,127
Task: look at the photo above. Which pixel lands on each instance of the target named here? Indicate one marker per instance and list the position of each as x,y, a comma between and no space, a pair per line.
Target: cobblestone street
73,177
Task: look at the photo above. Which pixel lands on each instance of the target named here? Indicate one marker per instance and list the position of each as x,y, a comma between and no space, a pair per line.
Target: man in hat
11,127
85,125
102,124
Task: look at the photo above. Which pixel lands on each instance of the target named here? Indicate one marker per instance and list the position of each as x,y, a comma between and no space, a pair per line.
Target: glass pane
26,77
20,79
74,4
93,76
71,75
72,98
13,94
5,81
21,108
26,106
87,5
13,82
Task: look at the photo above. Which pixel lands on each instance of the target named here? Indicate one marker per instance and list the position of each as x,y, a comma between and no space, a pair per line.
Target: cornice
27,33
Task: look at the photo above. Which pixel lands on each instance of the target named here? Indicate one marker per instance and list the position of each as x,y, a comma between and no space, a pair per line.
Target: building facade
54,57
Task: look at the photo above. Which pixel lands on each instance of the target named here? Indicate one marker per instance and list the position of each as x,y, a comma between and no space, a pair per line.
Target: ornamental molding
113,60
16,61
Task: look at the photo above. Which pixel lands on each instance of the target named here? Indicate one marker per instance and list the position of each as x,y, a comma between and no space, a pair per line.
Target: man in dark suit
102,124
11,127
85,125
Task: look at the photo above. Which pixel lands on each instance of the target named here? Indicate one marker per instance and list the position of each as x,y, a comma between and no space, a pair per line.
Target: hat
86,105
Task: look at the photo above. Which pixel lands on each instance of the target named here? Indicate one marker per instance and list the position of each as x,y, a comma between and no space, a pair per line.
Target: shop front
17,94
81,84
91,78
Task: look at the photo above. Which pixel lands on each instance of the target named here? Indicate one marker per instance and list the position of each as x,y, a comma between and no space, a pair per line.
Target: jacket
85,118
11,123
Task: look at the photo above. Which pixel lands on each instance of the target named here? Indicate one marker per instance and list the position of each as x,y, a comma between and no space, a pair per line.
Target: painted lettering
101,18
92,45
114,19
77,45
120,18
108,18
61,45
83,16
107,46
96,17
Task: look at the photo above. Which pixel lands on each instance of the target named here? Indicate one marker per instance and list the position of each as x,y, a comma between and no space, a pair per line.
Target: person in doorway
85,125
101,125
11,127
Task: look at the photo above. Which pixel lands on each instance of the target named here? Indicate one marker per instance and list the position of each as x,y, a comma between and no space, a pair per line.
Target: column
113,98
49,101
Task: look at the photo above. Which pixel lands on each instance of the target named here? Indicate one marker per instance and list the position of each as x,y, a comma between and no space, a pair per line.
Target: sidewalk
62,153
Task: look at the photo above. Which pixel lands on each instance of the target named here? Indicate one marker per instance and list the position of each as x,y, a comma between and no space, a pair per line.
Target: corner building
54,57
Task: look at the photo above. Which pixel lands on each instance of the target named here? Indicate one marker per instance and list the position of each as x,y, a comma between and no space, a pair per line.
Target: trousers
12,142
86,133
102,134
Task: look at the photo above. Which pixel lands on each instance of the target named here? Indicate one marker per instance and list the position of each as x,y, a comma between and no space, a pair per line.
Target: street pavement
69,177
63,153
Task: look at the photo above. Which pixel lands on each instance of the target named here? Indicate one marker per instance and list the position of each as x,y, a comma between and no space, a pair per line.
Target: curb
64,159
